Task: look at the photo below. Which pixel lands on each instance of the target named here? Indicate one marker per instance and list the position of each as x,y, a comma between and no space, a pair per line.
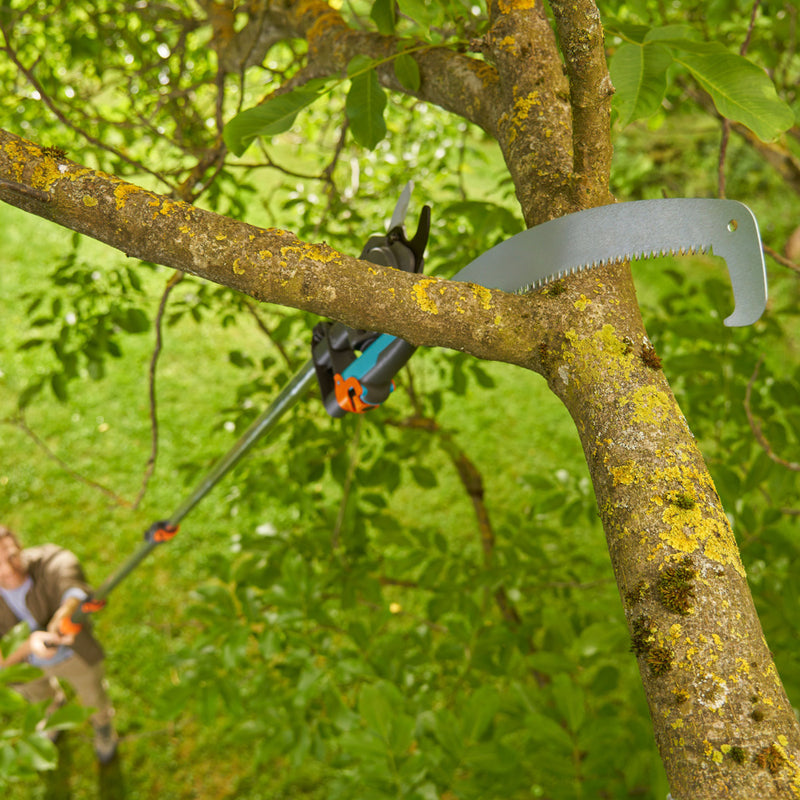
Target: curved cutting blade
638,229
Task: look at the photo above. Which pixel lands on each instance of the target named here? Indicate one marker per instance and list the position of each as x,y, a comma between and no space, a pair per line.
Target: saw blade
633,230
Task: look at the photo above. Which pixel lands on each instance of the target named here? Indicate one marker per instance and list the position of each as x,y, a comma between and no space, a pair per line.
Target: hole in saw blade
733,225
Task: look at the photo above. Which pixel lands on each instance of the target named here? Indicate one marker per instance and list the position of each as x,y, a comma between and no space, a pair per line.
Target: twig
151,461
19,422
756,427
750,28
327,176
251,307
784,262
723,153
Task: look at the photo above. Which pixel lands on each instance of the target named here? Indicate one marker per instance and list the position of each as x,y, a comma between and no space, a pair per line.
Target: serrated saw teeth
639,230
645,255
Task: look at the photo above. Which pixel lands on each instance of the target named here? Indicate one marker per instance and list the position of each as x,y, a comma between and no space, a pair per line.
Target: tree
534,79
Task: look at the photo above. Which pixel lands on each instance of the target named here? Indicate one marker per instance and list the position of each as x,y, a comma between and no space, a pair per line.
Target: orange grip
91,605
163,533
66,626
348,394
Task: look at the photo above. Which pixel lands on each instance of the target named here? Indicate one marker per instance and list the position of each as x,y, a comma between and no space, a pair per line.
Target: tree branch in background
262,326
726,123
20,423
755,426
472,482
784,262
159,323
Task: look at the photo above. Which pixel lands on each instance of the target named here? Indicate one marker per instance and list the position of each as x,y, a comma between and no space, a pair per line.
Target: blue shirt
15,599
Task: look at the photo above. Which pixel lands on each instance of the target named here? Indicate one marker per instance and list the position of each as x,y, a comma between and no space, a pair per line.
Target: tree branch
580,33
455,82
784,262
151,461
534,127
19,422
273,265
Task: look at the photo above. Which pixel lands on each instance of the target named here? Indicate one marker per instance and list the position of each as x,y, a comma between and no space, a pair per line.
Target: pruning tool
355,368
537,256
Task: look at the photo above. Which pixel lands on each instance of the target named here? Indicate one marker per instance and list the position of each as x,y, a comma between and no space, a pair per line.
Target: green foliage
83,324
328,624
364,106
741,91
24,751
366,101
272,117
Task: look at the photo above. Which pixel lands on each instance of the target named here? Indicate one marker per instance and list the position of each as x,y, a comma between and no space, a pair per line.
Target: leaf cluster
25,749
83,324
365,103
650,59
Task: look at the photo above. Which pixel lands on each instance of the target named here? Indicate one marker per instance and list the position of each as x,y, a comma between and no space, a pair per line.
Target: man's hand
64,611
44,644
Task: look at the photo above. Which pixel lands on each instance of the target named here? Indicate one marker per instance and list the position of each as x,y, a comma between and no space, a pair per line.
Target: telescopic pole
165,530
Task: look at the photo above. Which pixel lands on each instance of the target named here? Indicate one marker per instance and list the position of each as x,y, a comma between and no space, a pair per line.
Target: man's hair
5,531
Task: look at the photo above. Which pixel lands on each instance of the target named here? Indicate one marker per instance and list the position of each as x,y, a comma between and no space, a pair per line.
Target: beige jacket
53,570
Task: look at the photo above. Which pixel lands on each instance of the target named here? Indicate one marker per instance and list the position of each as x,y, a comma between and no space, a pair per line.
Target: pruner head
393,249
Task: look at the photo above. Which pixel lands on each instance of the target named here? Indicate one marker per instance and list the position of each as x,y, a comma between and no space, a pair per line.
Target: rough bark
721,718
271,265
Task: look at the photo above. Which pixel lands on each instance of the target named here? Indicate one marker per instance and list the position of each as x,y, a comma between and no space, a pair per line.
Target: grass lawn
102,434
517,434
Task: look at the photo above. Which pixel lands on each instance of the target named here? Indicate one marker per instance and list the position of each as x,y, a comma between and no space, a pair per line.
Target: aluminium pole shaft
288,397
286,400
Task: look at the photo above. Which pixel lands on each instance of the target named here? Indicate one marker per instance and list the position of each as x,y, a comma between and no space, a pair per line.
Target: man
40,586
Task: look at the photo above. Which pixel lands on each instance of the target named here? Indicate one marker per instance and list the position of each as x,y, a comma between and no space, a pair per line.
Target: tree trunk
721,718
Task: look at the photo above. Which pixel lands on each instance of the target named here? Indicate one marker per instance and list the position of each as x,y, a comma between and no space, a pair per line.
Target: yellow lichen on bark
651,406
523,107
683,530
508,44
483,296
19,153
420,293
311,252
124,191
507,6
600,358
45,174
581,303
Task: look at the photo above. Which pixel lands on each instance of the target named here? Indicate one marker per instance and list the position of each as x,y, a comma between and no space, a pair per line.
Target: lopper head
349,382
